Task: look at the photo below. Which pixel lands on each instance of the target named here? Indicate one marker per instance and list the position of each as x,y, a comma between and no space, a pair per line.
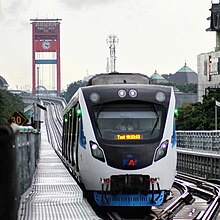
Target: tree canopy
199,116
8,104
72,88
185,88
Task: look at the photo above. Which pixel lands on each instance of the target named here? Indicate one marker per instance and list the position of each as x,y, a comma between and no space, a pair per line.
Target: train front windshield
129,121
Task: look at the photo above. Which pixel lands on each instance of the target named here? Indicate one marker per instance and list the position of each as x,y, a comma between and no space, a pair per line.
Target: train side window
70,116
76,132
65,135
71,137
74,126
68,134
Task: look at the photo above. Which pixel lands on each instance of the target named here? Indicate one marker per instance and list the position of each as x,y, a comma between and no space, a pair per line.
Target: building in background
185,75
209,63
156,78
184,99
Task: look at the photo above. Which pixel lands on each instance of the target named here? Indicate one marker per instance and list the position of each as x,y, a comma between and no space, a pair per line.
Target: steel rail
53,128
56,126
174,207
205,187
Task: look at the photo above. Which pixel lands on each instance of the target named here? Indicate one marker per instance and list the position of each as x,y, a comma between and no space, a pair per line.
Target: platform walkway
54,194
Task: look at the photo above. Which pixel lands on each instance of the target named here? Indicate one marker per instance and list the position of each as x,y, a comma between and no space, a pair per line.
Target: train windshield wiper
157,119
97,117
98,112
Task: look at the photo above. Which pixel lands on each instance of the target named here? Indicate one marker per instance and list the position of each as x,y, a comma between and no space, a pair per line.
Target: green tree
8,104
199,116
185,88
72,88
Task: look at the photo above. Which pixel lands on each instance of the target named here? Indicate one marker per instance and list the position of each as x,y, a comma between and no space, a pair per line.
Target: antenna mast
112,41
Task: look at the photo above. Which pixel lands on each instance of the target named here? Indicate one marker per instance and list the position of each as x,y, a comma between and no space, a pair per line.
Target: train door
75,137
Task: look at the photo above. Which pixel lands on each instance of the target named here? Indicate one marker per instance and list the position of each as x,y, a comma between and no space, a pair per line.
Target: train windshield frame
129,121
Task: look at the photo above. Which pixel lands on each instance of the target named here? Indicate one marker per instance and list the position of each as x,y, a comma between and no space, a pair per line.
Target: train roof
118,78
150,87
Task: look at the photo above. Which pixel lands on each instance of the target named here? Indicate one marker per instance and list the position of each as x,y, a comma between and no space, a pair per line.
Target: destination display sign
124,137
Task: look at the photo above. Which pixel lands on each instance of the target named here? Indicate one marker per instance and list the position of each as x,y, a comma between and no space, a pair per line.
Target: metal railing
202,141
19,147
198,153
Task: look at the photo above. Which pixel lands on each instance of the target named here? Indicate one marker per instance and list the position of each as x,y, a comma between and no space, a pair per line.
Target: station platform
54,194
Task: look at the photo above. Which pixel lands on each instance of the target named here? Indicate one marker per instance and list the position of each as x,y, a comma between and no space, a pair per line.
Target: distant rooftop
156,78
185,69
185,75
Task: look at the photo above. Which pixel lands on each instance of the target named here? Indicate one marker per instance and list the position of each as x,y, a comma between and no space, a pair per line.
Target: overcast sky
153,34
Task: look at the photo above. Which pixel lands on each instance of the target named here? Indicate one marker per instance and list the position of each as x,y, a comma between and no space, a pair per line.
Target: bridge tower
45,40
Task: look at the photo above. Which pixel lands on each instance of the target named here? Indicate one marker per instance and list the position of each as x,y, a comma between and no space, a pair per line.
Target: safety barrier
19,147
198,153
203,141
199,164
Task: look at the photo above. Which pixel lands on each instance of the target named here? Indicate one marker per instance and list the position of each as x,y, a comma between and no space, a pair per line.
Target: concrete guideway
54,194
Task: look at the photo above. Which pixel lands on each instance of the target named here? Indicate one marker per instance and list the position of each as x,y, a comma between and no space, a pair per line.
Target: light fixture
122,93
161,151
160,96
97,151
133,93
94,97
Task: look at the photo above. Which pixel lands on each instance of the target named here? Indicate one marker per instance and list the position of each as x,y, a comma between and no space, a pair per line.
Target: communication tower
112,40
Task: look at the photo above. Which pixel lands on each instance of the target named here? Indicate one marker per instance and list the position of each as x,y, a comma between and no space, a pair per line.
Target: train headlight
96,151
94,97
133,93
161,151
160,96
121,93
